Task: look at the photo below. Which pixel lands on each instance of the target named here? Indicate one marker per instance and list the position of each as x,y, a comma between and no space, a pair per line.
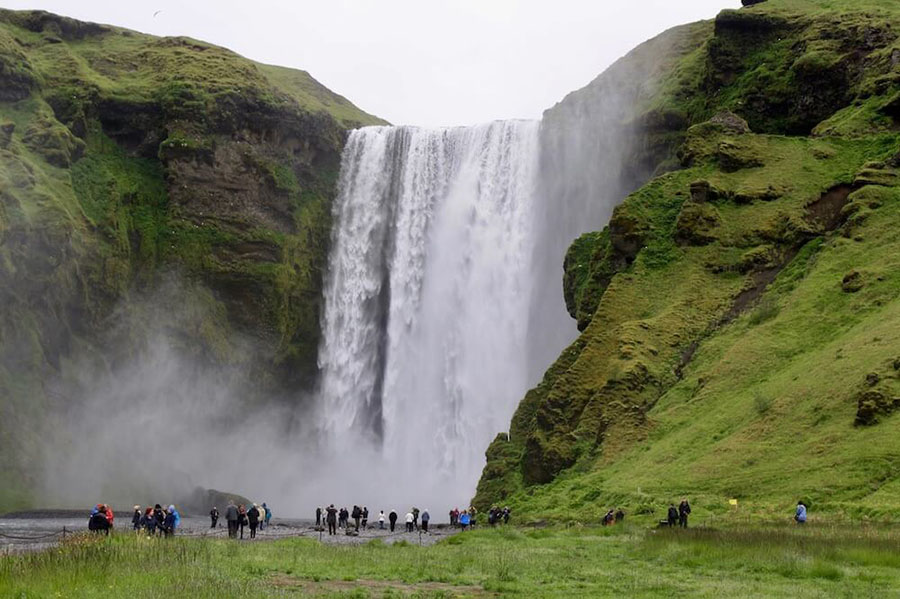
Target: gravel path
31,533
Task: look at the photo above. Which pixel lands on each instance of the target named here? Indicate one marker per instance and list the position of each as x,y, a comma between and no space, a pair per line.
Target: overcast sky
418,62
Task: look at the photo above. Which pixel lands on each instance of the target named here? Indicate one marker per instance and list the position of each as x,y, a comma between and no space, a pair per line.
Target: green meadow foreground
764,561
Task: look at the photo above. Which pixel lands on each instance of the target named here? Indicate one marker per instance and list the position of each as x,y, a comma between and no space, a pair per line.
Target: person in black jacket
331,519
99,522
684,510
160,515
365,517
136,518
356,515
392,518
242,519
318,517
214,517
253,520
673,515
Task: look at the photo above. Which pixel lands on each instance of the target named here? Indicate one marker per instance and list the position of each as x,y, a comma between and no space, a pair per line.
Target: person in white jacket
381,520
409,522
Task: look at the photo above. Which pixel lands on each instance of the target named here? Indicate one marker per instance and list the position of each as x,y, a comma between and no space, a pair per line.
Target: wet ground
40,530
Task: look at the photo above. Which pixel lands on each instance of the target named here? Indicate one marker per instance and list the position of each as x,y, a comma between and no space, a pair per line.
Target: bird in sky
156,13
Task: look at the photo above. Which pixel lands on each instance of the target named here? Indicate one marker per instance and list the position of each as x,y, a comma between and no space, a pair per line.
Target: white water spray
427,301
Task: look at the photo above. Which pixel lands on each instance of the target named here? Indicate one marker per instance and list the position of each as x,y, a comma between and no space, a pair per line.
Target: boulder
874,404
758,258
766,194
733,156
697,223
852,282
201,500
626,234
731,123
703,191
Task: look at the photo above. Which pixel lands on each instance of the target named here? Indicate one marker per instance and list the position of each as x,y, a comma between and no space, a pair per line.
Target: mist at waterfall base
443,305
165,403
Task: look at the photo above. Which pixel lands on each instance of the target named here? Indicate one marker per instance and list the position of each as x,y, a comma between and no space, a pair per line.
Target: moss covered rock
697,224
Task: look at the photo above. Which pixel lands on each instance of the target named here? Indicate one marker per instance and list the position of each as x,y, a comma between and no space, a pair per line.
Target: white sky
417,62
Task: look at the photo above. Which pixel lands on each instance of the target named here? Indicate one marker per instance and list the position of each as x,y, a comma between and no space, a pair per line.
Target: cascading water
427,301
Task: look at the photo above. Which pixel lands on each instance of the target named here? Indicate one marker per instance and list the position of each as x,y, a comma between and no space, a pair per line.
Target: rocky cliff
738,314
126,160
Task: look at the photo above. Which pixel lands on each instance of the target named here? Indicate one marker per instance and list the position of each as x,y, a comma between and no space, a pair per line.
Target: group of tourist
678,516
497,515
238,516
464,519
159,521
101,518
334,519
154,520
352,521
613,517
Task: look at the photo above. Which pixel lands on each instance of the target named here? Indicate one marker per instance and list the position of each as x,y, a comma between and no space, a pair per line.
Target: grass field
777,560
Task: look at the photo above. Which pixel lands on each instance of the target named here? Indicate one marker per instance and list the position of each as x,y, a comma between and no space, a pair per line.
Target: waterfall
427,300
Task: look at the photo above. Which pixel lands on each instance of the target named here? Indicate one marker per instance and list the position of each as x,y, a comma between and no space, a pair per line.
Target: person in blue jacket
800,514
268,514
176,517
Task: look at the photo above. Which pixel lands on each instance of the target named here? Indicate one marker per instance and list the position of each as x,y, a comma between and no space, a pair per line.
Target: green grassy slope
66,55
697,374
124,156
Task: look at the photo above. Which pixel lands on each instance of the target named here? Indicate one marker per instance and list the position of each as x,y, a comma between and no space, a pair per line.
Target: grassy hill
56,55
125,158
739,313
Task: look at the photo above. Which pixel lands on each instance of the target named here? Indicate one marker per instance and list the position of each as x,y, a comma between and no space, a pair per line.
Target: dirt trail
38,530
318,588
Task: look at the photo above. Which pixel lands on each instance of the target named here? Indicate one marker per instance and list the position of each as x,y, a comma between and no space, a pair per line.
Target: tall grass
777,560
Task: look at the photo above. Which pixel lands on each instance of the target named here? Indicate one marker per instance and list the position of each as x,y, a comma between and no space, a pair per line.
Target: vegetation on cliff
124,156
739,312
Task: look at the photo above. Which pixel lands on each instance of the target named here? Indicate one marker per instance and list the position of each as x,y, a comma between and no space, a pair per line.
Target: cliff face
124,157
737,312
